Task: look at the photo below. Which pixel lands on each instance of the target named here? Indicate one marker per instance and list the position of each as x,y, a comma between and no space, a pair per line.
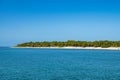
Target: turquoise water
59,64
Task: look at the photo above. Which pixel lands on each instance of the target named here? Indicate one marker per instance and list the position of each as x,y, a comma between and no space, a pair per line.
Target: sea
59,64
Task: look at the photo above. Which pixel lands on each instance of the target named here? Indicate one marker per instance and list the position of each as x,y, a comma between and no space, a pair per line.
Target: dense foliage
72,43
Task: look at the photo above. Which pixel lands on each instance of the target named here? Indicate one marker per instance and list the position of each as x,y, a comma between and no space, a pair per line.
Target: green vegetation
72,43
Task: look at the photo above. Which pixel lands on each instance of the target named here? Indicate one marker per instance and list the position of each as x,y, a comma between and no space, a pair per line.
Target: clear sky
58,20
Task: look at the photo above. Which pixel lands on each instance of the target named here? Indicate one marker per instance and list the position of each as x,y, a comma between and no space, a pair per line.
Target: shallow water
59,64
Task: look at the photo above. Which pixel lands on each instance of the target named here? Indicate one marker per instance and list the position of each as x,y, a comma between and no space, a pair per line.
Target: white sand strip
97,48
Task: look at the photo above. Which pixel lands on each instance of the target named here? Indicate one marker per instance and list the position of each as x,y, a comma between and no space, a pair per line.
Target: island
72,44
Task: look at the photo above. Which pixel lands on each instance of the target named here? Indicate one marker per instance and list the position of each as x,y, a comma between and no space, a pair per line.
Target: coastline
88,48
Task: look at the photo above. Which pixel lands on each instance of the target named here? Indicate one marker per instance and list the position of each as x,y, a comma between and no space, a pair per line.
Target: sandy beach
93,48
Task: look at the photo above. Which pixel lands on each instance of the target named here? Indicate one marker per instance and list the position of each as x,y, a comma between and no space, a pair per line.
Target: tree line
71,43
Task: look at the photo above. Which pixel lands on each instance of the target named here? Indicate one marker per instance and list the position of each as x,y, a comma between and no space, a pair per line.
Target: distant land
72,43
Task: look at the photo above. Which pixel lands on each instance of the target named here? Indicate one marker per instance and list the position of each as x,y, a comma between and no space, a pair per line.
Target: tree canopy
71,43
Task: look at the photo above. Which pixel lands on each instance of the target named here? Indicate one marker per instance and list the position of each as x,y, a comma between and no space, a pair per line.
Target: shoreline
86,48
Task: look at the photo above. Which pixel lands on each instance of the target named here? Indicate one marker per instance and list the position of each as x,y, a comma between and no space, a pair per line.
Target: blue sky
58,20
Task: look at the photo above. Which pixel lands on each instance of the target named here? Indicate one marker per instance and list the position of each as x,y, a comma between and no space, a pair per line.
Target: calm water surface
59,64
